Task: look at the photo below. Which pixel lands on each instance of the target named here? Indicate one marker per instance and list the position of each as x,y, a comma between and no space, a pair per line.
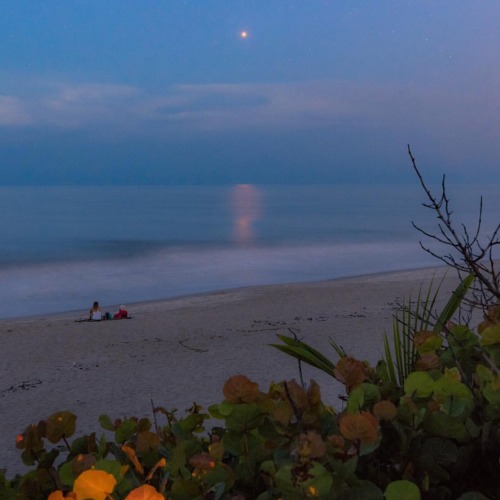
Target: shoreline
180,350
426,272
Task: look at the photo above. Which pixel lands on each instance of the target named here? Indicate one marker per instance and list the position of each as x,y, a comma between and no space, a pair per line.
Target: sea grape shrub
283,443
441,429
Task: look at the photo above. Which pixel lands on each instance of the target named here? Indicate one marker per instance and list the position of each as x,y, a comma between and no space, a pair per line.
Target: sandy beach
178,351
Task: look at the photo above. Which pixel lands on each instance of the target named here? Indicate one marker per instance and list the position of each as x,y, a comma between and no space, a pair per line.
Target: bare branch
469,254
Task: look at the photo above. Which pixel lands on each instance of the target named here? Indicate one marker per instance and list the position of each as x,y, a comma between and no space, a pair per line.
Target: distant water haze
64,247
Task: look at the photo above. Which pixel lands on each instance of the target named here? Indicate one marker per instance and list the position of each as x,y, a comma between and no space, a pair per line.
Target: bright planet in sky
244,34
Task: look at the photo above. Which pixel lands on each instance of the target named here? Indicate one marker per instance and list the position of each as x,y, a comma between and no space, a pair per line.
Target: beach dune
176,352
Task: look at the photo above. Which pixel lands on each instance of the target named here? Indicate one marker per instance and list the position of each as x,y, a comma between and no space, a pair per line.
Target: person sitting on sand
122,313
95,312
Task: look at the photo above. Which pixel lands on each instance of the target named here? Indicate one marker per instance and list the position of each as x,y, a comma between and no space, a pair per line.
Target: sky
248,91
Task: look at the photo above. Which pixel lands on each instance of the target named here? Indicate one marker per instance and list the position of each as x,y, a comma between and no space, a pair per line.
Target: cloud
261,132
443,119
226,107
83,105
12,112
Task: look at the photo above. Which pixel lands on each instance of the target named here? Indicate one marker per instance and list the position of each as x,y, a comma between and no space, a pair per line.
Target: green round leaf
244,417
285,482
484,373
445,387
490,335
215,412
319,483
363,490
420,384
491,395
455,398
125,431
442,451
60,424
372,393
112,467
67,474
106,422
440,424
356,400
402,490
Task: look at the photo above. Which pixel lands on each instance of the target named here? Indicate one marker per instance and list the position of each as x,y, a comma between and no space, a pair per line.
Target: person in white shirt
95,312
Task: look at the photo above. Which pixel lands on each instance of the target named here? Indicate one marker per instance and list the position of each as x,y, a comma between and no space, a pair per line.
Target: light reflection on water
246,204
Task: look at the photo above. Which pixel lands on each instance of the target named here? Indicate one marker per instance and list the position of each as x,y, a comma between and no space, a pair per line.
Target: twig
154,415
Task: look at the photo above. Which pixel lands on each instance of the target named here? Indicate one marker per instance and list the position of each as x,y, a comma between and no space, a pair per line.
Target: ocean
64,247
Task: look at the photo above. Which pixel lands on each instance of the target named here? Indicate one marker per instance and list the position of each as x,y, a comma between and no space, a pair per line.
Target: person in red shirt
121,314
